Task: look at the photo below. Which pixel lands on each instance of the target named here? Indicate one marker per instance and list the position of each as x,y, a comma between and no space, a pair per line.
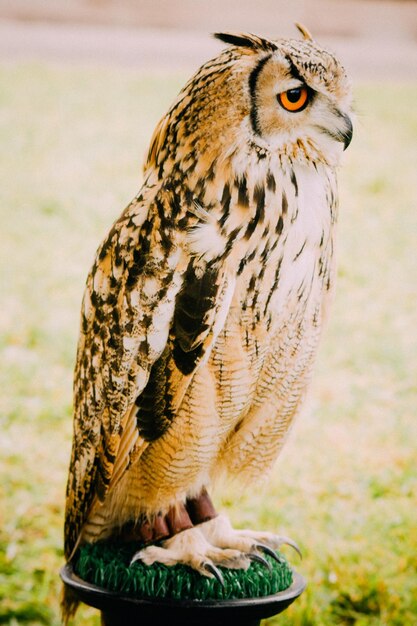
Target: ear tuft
246,40
304,31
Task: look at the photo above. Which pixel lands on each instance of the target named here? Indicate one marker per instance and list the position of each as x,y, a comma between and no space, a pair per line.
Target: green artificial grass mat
107,565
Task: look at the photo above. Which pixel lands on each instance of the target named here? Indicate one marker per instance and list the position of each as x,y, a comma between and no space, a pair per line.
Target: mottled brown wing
126,315
149,315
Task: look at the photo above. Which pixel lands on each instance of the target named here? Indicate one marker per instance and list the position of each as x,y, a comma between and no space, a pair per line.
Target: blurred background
82,85
377,38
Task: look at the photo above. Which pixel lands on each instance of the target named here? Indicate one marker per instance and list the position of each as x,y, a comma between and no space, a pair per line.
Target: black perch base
117,610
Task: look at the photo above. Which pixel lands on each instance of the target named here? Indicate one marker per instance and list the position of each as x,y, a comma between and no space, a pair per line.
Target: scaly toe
153,554
232,559
219,532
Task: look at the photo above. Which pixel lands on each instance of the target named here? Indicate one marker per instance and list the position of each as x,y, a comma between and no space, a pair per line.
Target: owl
203,310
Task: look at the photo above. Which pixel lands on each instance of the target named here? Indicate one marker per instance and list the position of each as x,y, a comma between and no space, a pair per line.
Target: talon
136,557
209,567
267,550
260,559
290,542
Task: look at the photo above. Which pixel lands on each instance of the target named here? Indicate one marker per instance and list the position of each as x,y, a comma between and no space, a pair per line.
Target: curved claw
290,542
260,559
267,550
135,557
209,567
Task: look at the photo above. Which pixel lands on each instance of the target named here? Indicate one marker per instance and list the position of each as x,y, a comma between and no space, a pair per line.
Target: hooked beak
346,135
342,130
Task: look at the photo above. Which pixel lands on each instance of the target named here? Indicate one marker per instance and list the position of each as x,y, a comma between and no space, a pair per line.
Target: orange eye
294,99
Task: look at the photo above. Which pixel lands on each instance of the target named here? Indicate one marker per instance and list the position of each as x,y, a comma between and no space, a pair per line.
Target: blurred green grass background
73,140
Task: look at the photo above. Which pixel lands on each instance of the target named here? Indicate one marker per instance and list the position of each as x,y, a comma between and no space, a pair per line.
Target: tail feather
69,604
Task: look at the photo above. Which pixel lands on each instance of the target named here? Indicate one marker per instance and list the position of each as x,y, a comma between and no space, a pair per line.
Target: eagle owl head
286,96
